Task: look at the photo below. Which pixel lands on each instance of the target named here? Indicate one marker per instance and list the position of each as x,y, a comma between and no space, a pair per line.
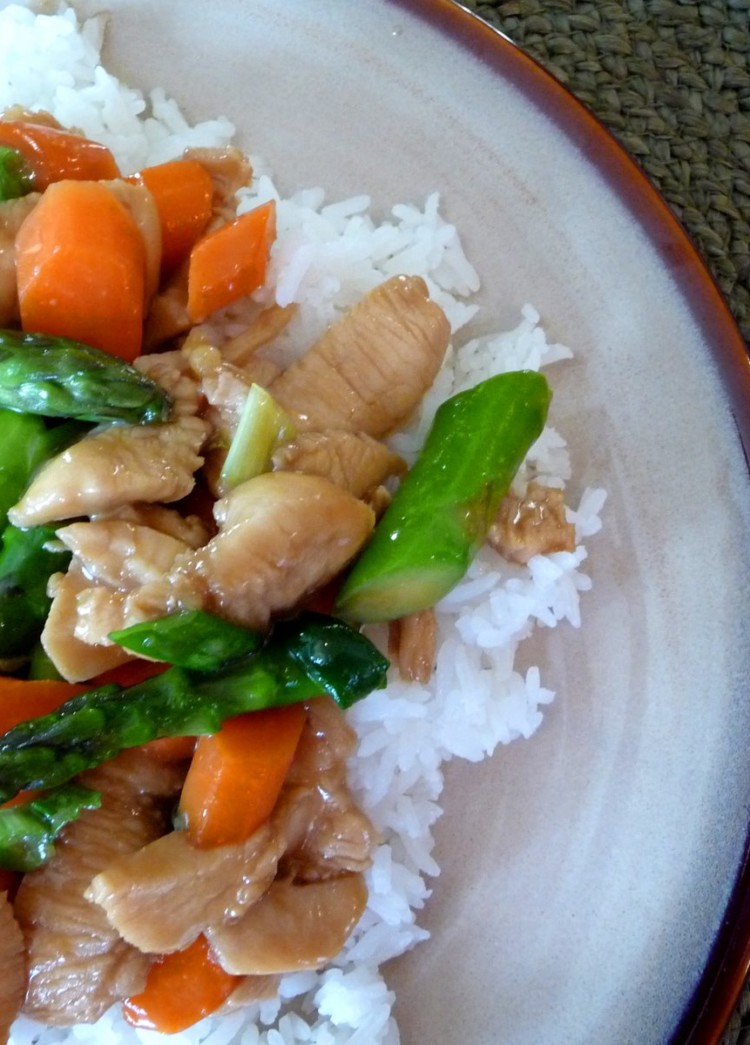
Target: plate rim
717,991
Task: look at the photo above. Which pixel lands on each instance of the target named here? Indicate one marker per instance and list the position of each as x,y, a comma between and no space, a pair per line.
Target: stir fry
191,539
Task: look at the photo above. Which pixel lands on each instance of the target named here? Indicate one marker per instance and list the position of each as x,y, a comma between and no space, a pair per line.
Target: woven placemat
671,80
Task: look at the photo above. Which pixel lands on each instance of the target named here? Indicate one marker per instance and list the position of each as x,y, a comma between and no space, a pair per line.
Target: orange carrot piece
230,262
53,154
181,989
183,193
21,700
80,263
236,775
170,749
21,798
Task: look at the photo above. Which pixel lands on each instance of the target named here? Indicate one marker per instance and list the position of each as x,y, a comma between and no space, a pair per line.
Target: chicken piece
213,467
117,578
261,371
292,927
74,658
368,371
379,499
222,385
534,524
172,371
268,324
12,215
114,467
40,117
100,609
251,989
326,743
201,381
167,316
230,170
13,965
78,965
120,575
328,840
334,836
352,460
121,554
115,558
412,642
162,897
281,535
204,383
189,529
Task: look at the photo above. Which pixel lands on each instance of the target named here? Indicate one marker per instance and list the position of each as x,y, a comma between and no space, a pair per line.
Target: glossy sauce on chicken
153,528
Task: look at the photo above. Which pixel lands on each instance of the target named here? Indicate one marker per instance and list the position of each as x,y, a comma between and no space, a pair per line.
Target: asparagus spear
302,659
27,557
58,377
15,177
26,443
440,515
28,830
189,639
23,440
27,561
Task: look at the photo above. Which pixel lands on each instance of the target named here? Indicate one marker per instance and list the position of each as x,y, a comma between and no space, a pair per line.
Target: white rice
327,255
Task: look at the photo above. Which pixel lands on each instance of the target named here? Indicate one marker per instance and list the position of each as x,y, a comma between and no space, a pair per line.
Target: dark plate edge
715,995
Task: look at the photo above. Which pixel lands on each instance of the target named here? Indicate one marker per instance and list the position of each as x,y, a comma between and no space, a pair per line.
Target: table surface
671,81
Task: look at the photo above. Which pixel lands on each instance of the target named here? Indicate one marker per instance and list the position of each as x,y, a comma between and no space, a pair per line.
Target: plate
586,873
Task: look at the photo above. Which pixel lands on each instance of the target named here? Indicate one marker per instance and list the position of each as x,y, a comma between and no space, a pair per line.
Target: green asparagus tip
59,377
28,830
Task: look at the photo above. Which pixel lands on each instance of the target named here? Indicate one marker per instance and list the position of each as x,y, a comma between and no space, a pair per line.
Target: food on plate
240,425
58,377
13,964
442,511
303,658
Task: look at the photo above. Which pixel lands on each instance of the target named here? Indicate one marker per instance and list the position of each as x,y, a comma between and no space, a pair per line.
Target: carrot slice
183,193
53,154
21,798
170,749
230,262
236,775
181,989
21,700
80,263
